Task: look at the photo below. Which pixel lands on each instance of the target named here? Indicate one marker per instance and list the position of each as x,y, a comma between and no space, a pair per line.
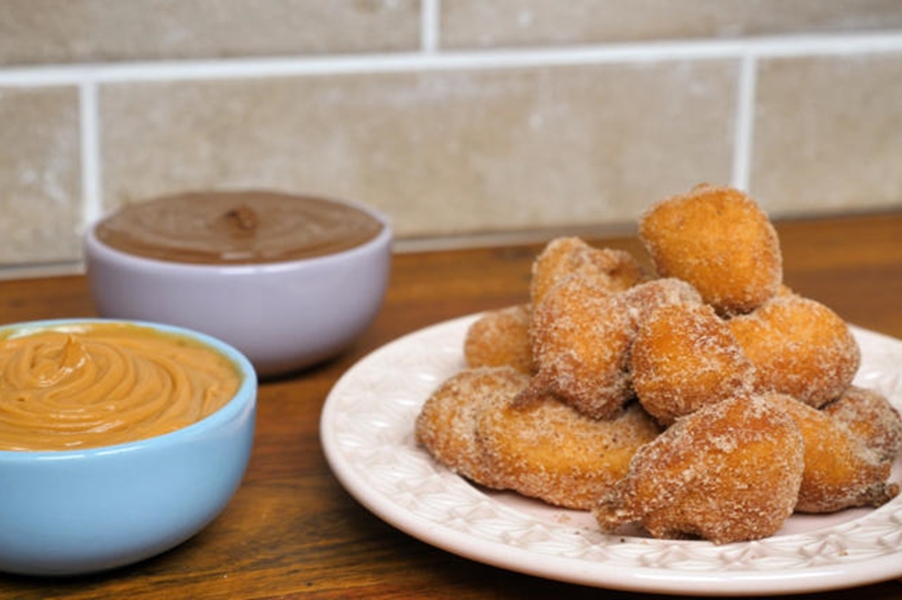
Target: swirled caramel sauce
237,227
88,385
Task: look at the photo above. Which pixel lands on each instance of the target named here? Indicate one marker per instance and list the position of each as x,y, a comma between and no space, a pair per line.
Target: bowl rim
244,397
93,245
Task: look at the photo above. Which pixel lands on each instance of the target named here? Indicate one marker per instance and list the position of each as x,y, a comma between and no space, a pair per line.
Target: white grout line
430,11
745,123
483,59
90,153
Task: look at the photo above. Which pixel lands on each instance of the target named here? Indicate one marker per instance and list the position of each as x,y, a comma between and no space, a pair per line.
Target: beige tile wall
443,152
477,23
460,119
828,132
34,32
40,186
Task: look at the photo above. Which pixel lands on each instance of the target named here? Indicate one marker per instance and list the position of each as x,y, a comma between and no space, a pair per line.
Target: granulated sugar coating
446,425
543,448
615,270
840,471
871,418
729,472
644,298
800,347
581,338
501,337
719,240
684,357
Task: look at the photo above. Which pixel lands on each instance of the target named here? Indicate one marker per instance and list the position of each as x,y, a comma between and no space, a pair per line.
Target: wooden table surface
292,529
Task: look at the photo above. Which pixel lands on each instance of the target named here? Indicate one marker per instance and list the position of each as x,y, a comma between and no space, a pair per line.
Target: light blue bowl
78,511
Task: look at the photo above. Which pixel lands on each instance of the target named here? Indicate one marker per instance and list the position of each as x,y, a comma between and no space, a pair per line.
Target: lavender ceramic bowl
283,316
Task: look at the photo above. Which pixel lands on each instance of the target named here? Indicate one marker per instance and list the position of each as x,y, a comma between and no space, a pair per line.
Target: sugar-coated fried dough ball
720,241
545,449
800,347
446,424
729,472
684,357
870,416
644,298
501,337
840,471
581,336
616,270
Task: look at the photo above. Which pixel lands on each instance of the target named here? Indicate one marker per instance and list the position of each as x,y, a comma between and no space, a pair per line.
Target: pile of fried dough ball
702,400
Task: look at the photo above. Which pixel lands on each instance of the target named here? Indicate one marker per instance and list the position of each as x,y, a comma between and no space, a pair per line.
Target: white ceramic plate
367,434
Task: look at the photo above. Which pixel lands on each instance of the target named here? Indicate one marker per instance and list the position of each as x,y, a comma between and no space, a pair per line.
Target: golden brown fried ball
870,417
729,472
545,449
615,269
501,337
581,336
840,471
643,298
799,347
720,241
446,424
684,357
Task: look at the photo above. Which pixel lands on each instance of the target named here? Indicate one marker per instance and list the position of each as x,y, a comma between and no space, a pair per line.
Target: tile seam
430,11
90,153
745,122
798,46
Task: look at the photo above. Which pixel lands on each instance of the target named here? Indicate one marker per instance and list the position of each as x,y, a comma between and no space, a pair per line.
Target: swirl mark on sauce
105,384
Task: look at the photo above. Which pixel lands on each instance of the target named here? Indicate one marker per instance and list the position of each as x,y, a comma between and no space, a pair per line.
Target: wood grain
292,530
